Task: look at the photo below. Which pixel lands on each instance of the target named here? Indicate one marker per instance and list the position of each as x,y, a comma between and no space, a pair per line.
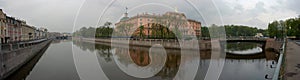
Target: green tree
141,33
124,29
290,26
273,29
104,31
205,31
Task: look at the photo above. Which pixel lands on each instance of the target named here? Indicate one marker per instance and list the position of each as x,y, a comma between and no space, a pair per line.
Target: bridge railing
21,44
245,38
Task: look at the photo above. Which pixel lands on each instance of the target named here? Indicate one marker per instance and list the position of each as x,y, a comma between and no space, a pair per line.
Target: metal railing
19,44
245,38
280,62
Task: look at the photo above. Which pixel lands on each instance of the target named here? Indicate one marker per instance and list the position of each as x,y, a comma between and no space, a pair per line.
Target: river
67,60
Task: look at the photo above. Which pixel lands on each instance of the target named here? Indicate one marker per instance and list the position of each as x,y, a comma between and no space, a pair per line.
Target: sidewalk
292,69
298,42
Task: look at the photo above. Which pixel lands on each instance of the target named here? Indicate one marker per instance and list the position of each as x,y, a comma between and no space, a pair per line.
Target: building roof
2,14
146,15
191,20
124,18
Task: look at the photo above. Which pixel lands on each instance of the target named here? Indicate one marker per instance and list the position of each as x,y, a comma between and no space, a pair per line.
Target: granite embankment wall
272,44
173,44
12,60
169,44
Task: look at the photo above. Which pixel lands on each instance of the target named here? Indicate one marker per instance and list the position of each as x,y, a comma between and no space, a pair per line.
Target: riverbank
168,44
12,60
250,68
270,44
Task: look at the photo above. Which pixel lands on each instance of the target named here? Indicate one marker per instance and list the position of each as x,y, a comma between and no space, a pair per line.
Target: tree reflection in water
141,57
85,45
241,46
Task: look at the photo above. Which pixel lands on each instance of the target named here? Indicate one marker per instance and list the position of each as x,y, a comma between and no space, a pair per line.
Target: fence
277,75
167,43
16,56
21,44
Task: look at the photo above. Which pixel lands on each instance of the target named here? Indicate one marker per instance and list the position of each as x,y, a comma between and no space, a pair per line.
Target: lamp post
280,28
288,31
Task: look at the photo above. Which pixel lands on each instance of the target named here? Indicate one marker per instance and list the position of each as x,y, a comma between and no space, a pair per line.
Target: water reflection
55,63
24,71
244,48
138,57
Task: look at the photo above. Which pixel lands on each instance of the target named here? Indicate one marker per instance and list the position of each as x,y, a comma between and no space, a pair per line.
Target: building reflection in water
141,57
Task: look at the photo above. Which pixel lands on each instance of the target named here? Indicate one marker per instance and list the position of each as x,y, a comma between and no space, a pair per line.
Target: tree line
289,27
231,31
104,31
123,31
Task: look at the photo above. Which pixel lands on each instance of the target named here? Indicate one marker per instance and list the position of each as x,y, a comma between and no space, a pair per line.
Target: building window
141,23
141,19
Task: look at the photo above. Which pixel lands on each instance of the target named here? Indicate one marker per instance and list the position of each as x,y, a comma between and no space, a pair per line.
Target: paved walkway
292,71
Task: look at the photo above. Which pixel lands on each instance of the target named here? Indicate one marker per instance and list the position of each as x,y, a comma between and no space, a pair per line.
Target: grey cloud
294,5
59,15
56,15
256,22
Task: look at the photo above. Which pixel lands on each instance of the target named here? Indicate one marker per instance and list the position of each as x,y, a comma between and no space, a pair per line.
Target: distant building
195,25
41,33
14,30
27,31
53,35
3,26
259,35
66,34
186,26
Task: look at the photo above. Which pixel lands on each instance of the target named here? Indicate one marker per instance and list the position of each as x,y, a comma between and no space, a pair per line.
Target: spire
126,13
126,9
125,17
176,10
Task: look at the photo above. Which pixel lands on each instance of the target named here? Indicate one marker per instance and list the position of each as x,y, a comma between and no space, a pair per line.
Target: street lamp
280,28
288,31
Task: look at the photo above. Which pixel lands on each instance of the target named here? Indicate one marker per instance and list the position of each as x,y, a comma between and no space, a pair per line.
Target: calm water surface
244,48
116,62
56,63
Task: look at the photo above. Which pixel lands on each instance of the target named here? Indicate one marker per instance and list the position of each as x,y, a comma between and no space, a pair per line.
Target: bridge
57,35
261,41
246,39
63,37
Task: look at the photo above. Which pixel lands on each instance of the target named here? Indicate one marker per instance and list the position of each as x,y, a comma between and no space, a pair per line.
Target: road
292,71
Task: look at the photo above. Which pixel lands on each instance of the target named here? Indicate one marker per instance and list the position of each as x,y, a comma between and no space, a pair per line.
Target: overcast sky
60,15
